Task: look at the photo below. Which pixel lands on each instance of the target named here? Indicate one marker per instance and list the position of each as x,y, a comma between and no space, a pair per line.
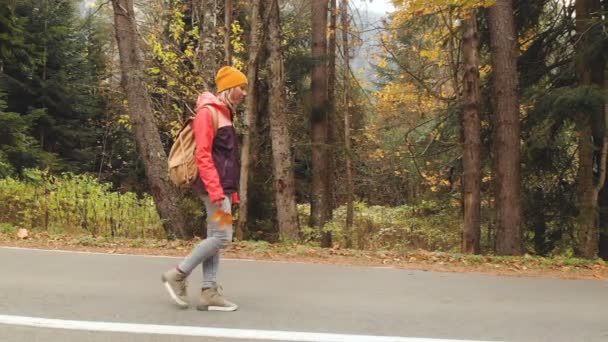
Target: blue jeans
208,251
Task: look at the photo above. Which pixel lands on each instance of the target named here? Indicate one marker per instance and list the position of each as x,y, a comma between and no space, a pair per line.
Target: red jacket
217,163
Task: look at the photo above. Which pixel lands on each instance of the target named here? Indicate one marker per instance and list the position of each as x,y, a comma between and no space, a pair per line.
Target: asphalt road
65,296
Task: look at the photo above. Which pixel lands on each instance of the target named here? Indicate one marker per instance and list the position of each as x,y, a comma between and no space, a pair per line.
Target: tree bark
603,227
251,103
346,107
590,70
472,136
147,137
228,31
320,194
539,224
603,234
603,239
331,109
208,50
509,236
283,164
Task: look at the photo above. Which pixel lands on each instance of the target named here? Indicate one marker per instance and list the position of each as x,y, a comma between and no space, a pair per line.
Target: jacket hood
208,99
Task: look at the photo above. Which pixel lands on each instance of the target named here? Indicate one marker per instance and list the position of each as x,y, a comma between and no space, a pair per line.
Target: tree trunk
587,240
603,239
147,137
590,70
346,107
283,164
251,102
318,206
539,224
472,136
509,236
228,31
208,50
331,106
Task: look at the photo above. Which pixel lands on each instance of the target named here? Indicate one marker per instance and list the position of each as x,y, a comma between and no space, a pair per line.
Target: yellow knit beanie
228,77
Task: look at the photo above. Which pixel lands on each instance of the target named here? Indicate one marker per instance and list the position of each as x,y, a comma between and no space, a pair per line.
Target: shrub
76,204
427,225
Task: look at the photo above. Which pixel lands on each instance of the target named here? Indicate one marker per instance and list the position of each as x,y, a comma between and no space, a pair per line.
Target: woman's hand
219,202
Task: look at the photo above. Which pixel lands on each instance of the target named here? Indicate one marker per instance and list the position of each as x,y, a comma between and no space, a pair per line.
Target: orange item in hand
222,217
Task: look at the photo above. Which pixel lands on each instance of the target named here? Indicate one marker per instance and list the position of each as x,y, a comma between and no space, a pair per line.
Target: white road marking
247,334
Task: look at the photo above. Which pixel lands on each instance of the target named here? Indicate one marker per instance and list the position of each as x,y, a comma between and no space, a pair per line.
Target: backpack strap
214,118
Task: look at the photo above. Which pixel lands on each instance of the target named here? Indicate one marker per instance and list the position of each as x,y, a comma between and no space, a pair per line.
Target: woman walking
217,160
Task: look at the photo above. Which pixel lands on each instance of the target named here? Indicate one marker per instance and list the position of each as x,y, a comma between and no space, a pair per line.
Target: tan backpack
182,160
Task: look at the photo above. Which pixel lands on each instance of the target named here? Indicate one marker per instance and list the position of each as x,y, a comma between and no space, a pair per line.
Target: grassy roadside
558,267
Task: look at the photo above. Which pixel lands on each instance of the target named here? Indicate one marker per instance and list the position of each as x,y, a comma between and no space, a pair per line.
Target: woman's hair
226,97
